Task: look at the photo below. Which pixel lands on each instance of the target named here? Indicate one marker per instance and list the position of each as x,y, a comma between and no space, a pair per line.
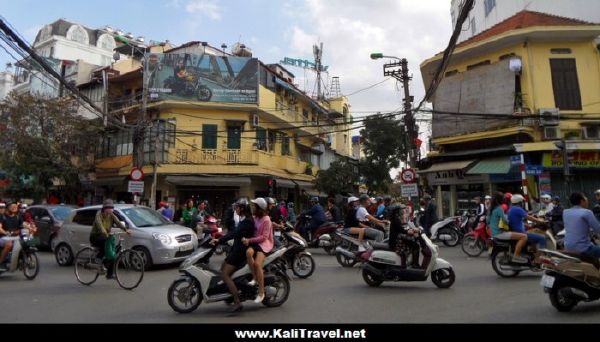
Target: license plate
278,234
186,248
548,281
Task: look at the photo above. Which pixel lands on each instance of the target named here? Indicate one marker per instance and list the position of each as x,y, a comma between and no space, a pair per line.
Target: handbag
110,248
503,225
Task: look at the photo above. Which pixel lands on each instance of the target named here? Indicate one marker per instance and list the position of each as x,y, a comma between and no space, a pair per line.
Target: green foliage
341,177
44,140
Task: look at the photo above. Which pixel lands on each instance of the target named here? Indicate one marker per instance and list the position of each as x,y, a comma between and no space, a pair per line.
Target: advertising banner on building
545,183
202,78
577,159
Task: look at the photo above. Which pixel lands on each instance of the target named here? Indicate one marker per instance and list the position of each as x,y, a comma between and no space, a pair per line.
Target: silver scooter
199,281
23,255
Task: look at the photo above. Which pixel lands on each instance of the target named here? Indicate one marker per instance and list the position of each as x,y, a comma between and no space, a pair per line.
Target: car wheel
63,255
146,256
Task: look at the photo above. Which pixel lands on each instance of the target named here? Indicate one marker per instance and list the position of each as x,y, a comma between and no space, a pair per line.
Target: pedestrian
291,213
167,212
430,216
188,214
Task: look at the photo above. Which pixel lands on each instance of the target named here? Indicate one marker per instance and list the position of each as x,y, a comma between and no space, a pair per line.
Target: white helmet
546,197
352,199
515,199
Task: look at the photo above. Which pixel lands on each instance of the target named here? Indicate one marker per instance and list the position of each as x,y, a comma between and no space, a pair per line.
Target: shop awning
208,181
305,185
501,165
536,146
285,183
447,166
110,181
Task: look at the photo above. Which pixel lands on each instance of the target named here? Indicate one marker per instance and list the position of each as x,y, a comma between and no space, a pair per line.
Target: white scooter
446,231
23,255
199,281
348,253
385,265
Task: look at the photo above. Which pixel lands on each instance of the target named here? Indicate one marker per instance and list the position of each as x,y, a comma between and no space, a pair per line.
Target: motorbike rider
291,213
364,218
333,212
317,214
259,246
493,220
103,223
516,217
487,203
276,218
430,215
380,207
596,208
506,202
10,224
188,213
401,234
201,214
283,211
2,210
546,205
556,216
387,202
167,211
579,221
237,257
351,224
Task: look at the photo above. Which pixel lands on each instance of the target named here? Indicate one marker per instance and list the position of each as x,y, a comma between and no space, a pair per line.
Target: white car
159,240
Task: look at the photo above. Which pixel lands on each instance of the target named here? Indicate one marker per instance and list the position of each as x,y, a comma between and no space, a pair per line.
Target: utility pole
154,171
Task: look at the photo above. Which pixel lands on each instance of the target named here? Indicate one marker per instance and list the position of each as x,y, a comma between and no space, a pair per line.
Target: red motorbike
322,237
478,240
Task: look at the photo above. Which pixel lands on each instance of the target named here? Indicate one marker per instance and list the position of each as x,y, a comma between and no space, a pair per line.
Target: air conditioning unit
591,132
549,116
552,133
255,121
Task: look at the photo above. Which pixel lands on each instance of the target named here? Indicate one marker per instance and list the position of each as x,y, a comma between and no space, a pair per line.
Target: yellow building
528,82
220,151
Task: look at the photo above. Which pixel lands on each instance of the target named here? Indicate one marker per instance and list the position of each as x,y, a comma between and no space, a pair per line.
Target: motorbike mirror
46,219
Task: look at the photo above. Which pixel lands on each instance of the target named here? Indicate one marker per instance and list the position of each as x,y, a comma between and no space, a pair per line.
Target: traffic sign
408,176
135,187
410,190
136,174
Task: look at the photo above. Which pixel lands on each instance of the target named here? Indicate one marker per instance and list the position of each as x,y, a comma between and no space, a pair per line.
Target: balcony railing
214,157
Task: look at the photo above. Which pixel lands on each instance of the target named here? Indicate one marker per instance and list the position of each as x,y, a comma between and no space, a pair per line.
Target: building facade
488,13
527,86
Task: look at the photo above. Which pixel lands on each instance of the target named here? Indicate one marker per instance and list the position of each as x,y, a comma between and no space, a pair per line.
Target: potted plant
572,135
309,167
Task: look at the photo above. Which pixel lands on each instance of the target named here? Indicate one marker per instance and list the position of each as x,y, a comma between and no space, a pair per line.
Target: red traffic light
270,182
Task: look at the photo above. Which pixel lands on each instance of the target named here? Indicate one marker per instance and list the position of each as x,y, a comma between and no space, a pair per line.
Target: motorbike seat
593,261
381,246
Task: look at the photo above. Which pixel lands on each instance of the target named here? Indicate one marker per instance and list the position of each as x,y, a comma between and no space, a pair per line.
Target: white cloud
209,8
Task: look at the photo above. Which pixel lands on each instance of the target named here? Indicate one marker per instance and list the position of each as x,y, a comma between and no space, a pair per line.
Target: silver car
159,240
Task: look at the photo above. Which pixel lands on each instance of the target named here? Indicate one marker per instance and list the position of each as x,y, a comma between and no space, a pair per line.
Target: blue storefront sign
534,170
505,178
515,160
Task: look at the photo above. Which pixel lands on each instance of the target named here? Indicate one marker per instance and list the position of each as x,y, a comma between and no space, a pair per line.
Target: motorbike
323,236
503,251
189,86
569,279
200,282
477,241
210,227
382,264
297,258
446,231
348,252
23,255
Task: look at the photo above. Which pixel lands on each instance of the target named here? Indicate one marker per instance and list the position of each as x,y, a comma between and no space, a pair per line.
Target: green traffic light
376,55
122,39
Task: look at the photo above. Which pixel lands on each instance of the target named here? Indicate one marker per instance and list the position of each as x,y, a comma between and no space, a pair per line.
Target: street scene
234,162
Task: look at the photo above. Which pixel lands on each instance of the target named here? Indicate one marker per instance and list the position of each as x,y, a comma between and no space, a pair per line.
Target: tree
341,177
44,141
384,145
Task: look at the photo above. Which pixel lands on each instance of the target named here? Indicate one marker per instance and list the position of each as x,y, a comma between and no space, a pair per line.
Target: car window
145,217
34,212
61,213
41,213
85,217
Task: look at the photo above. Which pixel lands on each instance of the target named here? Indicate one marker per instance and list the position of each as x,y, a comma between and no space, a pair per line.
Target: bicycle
128,267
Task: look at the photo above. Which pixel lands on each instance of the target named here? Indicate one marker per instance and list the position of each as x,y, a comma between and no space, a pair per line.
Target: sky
349,29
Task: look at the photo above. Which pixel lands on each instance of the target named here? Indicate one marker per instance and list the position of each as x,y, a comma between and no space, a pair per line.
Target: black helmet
314,199
364,197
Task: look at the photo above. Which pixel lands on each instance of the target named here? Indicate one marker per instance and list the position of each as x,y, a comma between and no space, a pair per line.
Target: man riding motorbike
516,218
317,214
10,224
364,218
579,221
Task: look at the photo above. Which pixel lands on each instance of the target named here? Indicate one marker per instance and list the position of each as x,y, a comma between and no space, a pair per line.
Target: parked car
49,219
159,240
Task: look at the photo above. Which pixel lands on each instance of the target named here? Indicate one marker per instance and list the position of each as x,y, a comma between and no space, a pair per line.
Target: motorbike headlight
165,239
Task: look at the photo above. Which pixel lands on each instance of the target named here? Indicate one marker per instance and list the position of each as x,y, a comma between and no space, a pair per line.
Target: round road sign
136,174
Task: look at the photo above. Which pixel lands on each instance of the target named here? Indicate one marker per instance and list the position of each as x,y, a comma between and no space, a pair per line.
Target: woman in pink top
259,246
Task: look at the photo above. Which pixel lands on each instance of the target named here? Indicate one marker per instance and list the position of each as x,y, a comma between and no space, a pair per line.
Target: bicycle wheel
86,268
129,269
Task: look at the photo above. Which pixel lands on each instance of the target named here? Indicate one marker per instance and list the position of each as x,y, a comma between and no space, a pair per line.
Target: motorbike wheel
345,261
282,286
204,93
472,246
184,295
330,250
443,278
500,257
30,264
303,266
455,238
371,279
560,301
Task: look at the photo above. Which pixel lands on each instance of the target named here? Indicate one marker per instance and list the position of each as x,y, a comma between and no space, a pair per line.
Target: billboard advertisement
202,78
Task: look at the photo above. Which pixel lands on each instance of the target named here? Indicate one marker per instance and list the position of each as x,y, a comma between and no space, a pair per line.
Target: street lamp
379,55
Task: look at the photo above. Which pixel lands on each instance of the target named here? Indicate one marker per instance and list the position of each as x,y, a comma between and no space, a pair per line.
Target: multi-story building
7,80
524,86
252,134
488,13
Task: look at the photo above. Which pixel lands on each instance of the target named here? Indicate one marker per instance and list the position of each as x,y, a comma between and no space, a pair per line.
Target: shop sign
577,159
505,178
534,170
455,177
545,183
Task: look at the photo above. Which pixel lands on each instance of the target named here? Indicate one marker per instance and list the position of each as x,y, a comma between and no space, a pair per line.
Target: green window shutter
261,138
209,137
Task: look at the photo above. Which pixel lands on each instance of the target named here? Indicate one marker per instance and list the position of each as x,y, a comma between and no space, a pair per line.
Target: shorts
3,241
236,258
503,236
256,248
346,231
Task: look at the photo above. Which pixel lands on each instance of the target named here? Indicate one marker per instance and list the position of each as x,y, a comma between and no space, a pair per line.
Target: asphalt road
332,295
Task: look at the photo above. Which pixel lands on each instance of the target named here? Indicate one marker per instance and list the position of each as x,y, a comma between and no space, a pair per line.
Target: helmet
270,200
546,197
314,199
242,202
364,197
597,192
515,199
352,199
508,196
260,202
379,198
211,219
556,198
488,197
387,198
427,197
